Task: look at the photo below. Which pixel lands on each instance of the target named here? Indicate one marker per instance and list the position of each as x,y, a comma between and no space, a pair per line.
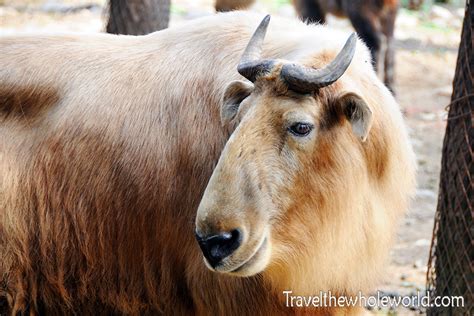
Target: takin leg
365,24
388,24
310,11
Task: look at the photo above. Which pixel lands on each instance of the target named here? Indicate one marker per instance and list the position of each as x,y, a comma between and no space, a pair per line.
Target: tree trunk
450,268
231,5
137,17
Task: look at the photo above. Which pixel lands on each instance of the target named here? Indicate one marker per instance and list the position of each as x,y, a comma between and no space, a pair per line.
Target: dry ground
426,55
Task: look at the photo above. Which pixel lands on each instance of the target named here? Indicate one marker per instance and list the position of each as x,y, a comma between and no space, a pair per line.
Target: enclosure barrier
451,263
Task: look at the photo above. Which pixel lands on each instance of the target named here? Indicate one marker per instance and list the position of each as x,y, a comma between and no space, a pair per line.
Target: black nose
217,247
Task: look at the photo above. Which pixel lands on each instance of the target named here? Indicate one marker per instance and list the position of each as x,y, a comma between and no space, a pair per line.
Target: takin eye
300,129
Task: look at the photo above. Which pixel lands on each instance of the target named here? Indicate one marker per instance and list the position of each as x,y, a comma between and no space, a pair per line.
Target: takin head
296,169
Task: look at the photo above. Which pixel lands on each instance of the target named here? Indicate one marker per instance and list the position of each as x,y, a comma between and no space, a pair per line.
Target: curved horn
304,79
250,65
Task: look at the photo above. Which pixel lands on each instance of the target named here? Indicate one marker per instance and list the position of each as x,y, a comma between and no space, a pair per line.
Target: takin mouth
255,257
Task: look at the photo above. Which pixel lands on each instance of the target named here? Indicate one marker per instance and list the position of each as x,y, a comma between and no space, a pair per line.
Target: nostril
217,247
224,244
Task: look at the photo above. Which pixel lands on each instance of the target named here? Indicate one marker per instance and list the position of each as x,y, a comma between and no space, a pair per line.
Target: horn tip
266,19
351,43
353,38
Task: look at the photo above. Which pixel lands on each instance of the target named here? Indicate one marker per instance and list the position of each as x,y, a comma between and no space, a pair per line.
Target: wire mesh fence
451,264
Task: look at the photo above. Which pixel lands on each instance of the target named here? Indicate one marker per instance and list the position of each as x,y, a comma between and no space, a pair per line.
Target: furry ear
357,113
234,94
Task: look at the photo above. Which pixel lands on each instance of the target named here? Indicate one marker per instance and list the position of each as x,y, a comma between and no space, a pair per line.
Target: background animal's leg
388,25
310,11
365,26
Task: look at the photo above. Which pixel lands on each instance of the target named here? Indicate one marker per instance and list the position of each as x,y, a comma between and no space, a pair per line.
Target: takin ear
358,113
234,94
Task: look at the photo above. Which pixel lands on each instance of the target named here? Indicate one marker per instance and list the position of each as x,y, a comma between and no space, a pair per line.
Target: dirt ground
426,44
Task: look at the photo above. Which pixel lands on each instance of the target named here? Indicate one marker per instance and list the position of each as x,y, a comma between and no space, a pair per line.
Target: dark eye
300,129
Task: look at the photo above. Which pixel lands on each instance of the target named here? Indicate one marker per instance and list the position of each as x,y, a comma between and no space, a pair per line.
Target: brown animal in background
374,20
108,143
